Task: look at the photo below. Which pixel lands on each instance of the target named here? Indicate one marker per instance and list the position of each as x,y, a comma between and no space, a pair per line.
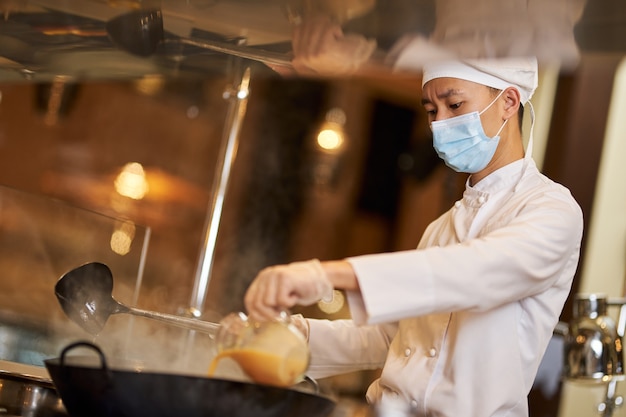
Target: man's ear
511,102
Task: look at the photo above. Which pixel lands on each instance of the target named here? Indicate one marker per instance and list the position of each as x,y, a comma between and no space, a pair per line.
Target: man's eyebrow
446,94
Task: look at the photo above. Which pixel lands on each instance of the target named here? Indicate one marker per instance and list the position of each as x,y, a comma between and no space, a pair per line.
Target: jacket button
413,404
432,352
481,199
407,352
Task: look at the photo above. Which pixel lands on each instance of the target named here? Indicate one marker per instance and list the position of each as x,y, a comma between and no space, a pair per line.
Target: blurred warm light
334,305
193,112
131,182
122,238
330,138
125,4
150,84
336,116
243,93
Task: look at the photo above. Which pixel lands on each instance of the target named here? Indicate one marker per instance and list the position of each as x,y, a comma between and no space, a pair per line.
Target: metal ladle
86,296
141,31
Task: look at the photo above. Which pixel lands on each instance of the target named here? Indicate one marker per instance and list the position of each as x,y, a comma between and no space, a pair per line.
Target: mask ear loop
491,104
487,108
528,155
501,127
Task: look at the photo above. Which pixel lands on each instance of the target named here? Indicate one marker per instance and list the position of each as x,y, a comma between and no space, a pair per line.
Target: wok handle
86,344
103,362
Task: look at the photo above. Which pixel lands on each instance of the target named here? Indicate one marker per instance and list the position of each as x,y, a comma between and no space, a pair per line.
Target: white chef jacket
460,325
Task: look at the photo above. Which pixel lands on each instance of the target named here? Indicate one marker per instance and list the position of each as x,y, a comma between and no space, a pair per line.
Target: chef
460,324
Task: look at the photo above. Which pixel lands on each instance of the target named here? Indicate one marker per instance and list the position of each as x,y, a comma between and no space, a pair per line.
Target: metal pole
238,98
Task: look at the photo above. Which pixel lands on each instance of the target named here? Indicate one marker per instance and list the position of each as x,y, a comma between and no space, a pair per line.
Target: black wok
89,391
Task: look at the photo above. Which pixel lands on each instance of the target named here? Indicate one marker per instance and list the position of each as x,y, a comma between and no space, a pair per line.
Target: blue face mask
462,143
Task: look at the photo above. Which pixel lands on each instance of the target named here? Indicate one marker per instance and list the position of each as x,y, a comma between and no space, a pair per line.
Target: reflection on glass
54,38
122,238
40,239
150,84
131,182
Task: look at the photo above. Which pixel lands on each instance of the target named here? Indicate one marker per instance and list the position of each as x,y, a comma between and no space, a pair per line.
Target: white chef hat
500,73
